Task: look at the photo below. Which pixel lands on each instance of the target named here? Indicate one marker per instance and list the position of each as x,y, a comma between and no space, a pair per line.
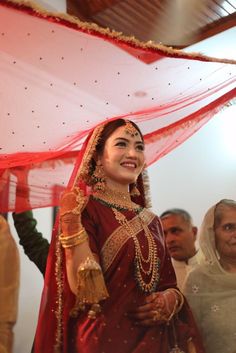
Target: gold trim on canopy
94,29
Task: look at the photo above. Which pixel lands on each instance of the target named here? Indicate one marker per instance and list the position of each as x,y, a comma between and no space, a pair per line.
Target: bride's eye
140,147
121,144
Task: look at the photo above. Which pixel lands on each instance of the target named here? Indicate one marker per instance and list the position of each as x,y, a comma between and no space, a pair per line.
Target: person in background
211,286
9,286
109,283
180,237
35,246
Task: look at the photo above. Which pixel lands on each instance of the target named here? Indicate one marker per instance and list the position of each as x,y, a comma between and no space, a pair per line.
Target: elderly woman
211,287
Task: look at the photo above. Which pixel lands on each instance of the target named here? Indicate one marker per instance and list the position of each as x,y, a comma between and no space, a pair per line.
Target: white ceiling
222,45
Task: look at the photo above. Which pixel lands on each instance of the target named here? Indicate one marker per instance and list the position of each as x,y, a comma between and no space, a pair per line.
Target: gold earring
134,190
99,178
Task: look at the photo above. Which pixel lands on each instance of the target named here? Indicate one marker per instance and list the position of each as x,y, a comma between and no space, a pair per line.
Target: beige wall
201,171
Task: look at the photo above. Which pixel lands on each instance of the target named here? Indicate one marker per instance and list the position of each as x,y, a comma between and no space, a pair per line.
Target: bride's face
225,234
123,157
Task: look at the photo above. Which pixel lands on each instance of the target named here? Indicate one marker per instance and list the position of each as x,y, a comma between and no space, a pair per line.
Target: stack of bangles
74,239
160,316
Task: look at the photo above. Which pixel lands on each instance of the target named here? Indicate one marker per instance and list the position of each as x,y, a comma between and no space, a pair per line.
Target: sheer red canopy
61,77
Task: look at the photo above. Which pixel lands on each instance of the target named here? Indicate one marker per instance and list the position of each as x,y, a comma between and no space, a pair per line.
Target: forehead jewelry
130,129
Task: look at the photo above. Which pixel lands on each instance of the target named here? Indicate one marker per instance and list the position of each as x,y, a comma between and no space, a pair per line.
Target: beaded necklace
119,201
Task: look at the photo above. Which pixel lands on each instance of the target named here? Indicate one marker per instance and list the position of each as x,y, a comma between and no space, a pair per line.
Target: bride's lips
129,165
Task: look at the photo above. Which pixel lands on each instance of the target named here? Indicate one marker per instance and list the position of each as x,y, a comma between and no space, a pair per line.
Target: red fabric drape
60,78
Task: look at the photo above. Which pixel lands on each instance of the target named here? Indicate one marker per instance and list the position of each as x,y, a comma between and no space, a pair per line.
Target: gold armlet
74,239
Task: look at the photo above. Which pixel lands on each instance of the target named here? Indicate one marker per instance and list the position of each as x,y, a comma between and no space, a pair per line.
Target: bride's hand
158,308
71,206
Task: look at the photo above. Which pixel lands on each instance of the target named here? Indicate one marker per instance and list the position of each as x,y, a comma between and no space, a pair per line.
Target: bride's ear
97,158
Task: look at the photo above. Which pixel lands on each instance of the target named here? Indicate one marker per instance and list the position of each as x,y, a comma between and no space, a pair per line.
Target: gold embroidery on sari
59,301
120,236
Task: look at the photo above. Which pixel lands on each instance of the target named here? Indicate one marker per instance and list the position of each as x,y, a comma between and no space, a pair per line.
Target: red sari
114,330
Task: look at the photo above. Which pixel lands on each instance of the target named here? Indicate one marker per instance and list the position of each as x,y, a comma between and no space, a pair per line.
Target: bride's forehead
123,132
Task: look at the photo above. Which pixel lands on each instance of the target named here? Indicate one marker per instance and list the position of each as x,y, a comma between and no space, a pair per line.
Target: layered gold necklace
117,199
148,266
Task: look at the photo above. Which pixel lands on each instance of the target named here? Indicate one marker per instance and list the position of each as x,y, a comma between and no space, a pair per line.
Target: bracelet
64,237
179,301
173,312
74,239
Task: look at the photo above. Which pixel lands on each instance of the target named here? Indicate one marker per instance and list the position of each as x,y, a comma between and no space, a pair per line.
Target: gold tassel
91,288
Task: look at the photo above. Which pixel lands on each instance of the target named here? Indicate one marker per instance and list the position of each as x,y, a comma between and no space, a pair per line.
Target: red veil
62,77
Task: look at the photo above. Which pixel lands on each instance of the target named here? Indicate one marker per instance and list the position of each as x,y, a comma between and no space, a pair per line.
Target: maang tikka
99,178
130,129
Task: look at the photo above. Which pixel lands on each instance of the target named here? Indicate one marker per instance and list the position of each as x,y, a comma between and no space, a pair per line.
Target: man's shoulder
195,259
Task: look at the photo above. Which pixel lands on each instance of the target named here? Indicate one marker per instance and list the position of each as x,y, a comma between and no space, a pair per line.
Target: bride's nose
132,153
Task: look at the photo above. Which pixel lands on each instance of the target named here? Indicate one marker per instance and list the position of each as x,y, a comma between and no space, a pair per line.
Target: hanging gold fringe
91,288
112,34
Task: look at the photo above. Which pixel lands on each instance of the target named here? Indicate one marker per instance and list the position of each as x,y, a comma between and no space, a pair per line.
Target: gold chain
116,199
151,259
121,201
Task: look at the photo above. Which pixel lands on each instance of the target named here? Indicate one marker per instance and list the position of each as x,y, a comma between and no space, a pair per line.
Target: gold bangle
64,237
74,242
179,301
74,239
65,240
173,312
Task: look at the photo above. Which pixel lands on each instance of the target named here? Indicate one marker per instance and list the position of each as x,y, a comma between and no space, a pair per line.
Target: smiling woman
115,287
123,157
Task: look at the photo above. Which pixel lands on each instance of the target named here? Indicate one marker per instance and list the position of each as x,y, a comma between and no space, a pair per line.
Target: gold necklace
117,199
152,259
121,201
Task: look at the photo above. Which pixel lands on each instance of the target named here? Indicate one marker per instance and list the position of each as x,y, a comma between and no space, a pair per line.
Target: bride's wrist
71,240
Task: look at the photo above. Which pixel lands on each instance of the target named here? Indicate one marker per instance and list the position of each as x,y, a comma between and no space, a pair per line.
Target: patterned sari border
120,236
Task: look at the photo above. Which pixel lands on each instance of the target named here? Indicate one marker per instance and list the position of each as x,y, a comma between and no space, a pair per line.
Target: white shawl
211,292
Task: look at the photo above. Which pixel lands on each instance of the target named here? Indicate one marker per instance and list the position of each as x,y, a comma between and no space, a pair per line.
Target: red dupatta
62,77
